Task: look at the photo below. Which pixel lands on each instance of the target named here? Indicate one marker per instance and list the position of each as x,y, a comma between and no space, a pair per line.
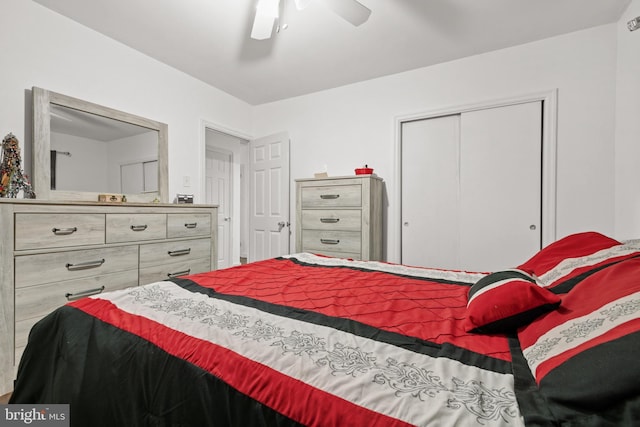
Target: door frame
549,156
237,213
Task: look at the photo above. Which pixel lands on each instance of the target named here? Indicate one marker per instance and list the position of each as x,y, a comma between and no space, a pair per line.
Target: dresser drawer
38,301
158,273
69,265
326,219
35,302
334,241
42,231
170,252
332,196
188,225
136,227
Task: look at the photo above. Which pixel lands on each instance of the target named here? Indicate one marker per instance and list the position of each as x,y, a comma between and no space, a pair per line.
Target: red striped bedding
304,340
318,341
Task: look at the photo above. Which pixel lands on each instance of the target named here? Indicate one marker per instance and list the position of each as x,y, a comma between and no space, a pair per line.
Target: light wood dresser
340,216
54,252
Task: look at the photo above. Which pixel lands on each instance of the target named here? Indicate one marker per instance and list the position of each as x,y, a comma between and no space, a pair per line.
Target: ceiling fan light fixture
267,12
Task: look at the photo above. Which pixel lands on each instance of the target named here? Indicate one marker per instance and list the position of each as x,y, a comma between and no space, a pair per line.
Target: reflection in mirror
95,153
83,149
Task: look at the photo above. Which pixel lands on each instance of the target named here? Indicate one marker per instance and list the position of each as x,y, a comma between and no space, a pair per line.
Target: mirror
81,150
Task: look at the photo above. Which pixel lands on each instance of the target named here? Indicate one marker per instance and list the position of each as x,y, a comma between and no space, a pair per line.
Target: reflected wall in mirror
83,149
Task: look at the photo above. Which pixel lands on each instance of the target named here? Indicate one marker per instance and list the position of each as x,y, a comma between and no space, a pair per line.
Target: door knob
532,227
283,224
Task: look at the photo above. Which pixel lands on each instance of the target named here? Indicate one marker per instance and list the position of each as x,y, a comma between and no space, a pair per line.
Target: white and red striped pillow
564,263
582,359
584,356
603,307
506,300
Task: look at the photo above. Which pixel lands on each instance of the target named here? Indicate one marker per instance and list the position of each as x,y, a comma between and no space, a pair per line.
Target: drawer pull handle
329,220
191,225
64,231
330,241
82,294
139,227
179,273
329,196
85,265
179,252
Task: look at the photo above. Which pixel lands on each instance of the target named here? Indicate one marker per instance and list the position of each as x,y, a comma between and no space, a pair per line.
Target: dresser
340,216
55,252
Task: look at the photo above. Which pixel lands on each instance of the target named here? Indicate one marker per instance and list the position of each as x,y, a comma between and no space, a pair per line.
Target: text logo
34,415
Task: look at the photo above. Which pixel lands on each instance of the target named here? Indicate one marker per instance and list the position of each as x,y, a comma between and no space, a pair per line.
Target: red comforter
317,341
429,304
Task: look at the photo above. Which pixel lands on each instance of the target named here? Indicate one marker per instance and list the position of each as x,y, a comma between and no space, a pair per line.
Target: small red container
364,171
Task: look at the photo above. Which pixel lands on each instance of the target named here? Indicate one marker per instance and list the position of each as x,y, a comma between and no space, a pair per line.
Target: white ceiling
79,123
209,39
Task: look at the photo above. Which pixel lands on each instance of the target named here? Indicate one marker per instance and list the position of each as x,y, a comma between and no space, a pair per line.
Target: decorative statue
12,180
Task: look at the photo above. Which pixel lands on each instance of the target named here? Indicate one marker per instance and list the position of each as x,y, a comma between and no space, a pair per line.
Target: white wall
42,48
349,126
627,150
85,169
352,125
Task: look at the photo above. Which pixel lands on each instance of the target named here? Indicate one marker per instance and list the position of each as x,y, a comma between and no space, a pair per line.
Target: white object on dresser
54,252
340,216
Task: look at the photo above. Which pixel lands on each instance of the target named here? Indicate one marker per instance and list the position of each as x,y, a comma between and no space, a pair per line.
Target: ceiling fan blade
351,10
262,27
266,15
301,4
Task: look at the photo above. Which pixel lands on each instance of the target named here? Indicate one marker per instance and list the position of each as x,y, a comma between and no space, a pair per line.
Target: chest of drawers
53,252
340,217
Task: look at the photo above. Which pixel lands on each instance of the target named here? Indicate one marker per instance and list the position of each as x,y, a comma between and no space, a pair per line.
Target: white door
430,167
218,192
471,188
500,186
269,197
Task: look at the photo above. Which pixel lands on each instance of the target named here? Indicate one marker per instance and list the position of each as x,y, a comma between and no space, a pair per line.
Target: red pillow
505,300
577,252
584,357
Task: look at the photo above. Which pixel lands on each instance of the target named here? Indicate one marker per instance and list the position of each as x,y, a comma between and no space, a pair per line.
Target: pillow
506,300
582,359
569,258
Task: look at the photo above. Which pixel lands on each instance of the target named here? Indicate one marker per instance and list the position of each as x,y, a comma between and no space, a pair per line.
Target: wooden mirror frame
41,158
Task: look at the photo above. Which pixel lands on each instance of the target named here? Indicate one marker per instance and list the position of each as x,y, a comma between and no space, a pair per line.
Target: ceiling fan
267,13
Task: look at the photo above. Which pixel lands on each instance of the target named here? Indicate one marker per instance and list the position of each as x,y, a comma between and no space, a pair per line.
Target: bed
319,341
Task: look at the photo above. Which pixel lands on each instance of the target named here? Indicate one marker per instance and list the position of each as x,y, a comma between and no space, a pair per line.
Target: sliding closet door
430,199
471,188
500,186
